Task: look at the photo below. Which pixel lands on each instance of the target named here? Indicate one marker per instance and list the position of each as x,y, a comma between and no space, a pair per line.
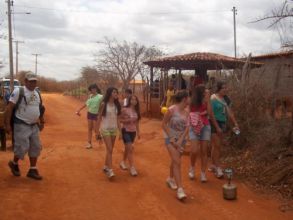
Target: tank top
131,115
109,122
178,122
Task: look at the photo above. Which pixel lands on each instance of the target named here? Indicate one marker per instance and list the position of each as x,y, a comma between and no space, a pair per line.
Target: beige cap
31,76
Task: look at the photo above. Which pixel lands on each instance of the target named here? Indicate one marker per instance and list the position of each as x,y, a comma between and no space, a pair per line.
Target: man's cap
31,76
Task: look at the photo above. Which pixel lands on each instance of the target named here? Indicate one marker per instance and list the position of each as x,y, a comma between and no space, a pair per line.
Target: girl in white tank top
109,125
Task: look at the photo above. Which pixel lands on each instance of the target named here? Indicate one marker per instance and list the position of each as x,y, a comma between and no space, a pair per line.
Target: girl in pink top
130,129
200,129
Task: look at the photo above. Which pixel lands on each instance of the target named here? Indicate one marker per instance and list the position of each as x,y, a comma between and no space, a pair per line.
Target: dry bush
263,152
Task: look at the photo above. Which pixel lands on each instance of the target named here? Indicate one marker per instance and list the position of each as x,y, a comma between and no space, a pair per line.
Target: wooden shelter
199,62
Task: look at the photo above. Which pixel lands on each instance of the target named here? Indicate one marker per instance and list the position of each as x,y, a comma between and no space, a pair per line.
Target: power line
124,13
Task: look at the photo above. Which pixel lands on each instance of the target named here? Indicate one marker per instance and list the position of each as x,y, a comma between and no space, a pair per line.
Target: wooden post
151,87
3,139
179,79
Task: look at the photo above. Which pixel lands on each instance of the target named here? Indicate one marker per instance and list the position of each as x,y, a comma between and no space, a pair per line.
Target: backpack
22,96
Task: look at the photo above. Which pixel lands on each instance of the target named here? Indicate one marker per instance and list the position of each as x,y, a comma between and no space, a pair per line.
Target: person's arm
203,113
124,118
186,131
101,109
165,122
119,126
212,118
232,116
7,117
164,101
137,129
78,111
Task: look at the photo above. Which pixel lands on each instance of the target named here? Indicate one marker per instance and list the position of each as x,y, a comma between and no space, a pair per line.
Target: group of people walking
108,118
196,116
201,118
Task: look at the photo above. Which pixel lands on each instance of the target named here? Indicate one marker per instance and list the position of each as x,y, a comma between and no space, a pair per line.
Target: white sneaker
219,172
123,165
105,169
88,146
181,194
191,173
203,177
212,168
133,171
110,173
171,183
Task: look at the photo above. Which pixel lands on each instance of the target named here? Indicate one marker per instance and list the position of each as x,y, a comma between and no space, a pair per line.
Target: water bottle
236,130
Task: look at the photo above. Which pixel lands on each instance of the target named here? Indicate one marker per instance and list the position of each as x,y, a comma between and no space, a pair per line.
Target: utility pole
234,19
16,56
9,3
36,63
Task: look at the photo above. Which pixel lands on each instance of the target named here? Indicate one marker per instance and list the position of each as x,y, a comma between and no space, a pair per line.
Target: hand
99,138
219,131
41,126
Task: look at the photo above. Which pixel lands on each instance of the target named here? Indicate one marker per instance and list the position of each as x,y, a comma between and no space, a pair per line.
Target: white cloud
65,32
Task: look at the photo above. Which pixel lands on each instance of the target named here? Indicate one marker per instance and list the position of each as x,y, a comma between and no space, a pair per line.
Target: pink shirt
202,108
131,116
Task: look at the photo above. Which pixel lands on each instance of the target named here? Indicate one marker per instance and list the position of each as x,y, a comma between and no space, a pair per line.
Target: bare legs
175,167
109,142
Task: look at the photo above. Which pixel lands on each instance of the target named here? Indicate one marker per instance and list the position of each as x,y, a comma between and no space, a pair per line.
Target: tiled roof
198,56
273,55
193,60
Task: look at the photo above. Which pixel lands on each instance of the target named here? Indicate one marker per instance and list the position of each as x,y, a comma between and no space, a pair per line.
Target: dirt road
74,186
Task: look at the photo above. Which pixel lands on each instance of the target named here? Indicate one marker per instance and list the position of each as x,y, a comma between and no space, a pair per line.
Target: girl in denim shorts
175,126
200,129
130,129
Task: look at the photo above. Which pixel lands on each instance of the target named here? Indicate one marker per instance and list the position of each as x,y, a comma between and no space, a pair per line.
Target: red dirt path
74,186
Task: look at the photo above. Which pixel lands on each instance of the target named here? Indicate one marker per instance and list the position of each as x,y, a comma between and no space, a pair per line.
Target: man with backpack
25,111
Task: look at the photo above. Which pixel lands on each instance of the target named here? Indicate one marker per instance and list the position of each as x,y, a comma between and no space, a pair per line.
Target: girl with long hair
109,125
130,118
200,129
221,108
93,105
176,126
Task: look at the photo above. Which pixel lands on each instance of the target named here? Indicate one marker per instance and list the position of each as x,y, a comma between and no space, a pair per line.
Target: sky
66,32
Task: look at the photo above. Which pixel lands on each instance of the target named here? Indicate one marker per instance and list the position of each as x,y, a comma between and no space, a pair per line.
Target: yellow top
169,95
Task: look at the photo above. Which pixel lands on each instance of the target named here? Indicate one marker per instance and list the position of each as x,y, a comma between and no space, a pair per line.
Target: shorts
167,142
222,125
92,117
205,134
128,136
109,132
26,140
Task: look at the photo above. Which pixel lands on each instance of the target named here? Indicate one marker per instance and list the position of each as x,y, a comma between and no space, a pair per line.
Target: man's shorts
109,132
205,134
128,136
26,140
92,117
